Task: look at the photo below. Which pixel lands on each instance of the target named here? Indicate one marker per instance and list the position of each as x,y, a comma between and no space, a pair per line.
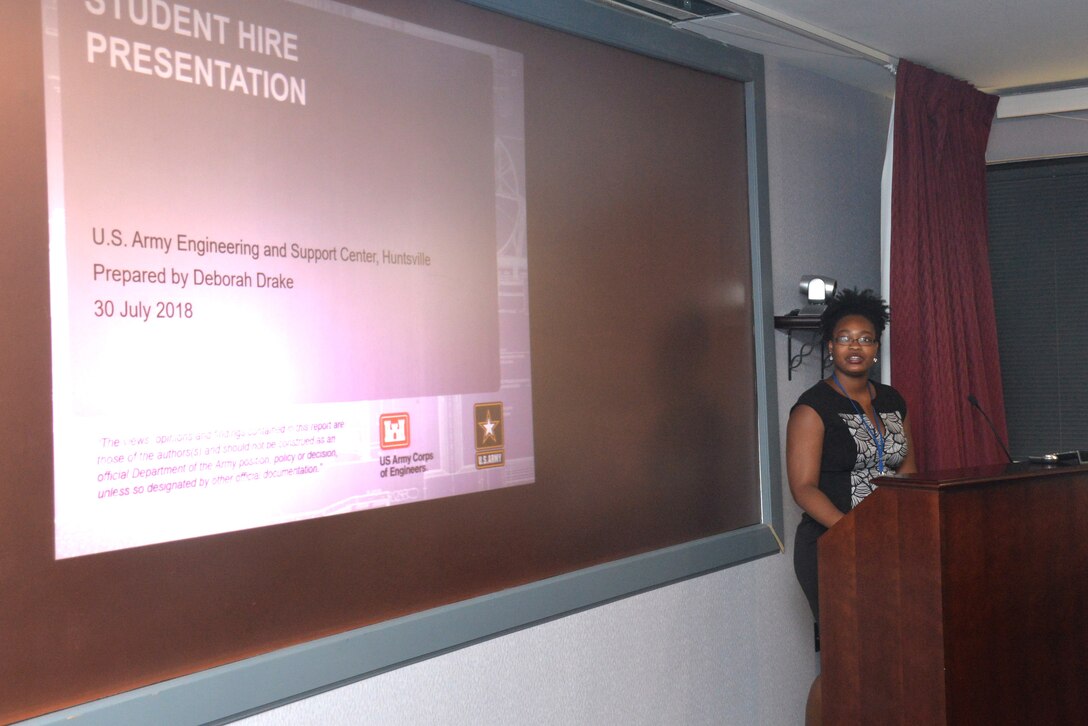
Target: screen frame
263,682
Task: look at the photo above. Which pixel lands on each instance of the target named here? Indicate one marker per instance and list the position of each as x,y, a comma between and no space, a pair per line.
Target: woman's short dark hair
866,303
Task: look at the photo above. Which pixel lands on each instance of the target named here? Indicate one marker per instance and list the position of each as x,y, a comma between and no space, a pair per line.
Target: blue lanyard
877,437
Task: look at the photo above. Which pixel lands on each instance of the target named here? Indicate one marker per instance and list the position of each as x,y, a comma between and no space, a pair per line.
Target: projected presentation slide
287,262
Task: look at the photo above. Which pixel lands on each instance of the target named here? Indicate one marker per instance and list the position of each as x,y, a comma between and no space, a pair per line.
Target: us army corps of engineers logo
394,431
489,435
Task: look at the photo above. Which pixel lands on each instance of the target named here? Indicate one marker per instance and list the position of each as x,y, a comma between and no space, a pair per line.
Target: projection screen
277,274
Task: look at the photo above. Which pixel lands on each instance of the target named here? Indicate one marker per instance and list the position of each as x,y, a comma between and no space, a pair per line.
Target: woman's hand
909,465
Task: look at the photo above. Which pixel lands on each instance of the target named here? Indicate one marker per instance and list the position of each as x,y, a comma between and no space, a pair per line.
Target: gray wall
733,647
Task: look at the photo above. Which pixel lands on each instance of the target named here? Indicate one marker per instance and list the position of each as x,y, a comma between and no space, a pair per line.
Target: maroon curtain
943,333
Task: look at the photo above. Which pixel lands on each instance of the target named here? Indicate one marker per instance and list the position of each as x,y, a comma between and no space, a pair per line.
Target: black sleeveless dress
848,464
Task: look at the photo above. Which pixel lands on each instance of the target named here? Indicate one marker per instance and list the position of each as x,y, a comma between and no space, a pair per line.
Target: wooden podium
959,597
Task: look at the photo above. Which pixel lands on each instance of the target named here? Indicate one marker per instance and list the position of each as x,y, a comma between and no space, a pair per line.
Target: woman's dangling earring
875,359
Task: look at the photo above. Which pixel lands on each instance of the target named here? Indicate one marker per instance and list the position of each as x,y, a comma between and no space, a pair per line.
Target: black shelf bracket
795,321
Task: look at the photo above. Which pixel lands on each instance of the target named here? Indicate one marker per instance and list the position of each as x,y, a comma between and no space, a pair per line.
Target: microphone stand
974,402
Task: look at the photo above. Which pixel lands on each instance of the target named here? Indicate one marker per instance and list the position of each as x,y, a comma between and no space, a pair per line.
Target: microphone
974,402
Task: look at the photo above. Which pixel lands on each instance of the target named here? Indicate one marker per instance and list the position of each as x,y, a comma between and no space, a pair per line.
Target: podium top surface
978,476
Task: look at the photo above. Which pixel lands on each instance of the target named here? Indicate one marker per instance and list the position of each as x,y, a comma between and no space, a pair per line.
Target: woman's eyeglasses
860,340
